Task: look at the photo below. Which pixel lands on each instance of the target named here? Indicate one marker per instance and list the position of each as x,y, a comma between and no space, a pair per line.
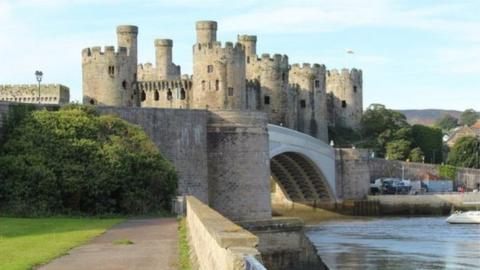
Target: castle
306,97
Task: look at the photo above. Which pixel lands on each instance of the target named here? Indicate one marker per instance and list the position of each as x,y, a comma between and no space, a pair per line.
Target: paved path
155,246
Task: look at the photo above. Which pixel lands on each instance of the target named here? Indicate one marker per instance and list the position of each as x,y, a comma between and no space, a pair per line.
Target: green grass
183,246
26,242
123,242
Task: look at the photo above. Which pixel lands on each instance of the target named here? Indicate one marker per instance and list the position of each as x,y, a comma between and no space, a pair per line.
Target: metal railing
251,263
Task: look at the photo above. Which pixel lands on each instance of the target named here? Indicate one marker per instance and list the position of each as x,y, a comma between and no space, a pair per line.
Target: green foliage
446,122
28,242
74,161
429,139
416,155
184,248
343,136
469,117
381,126
465,153
447,172
16,114
398,149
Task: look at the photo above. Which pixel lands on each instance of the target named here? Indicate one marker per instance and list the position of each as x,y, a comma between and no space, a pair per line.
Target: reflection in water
398,243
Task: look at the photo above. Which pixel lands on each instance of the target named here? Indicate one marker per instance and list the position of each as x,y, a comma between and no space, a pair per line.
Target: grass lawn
26,242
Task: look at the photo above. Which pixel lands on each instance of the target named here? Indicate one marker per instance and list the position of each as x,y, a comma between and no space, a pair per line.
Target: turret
308,81
250,45
110,75
127,37
346,94
206,31
218,72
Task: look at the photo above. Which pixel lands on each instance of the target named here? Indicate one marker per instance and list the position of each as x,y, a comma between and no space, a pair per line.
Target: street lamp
39,76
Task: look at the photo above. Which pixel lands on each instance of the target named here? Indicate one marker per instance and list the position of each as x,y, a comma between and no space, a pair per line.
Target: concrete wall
217,243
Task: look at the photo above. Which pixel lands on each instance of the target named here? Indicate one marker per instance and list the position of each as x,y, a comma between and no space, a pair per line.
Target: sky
414,54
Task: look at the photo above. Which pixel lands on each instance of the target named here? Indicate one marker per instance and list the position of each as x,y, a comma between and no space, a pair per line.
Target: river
397,243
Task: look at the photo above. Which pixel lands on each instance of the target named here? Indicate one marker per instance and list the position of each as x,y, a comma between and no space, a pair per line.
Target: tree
75,161
398,149
446,122
429,139
416,155
465,153
469,117
380,126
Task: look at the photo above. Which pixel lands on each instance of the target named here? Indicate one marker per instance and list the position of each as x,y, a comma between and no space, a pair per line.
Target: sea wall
217,243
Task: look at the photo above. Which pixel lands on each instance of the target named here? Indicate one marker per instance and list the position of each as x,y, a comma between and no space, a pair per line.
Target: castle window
303,103
124,85
156,95
266,100
203,85
111,71
169,94
144,96
92,102
182,94
217,85
248,59
317,83
344,104
209,68
230,91
354,89
284,77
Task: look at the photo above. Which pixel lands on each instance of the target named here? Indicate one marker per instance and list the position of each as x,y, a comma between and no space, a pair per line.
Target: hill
427,116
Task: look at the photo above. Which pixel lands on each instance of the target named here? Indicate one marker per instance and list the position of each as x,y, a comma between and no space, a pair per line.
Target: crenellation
229,76
29,93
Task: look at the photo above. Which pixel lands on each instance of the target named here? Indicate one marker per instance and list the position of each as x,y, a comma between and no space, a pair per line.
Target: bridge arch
302,166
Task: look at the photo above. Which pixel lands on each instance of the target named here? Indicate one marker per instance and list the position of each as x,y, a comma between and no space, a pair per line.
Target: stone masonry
231,76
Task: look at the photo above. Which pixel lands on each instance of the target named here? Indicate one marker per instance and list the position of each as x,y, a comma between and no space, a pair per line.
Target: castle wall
352,173
28,93
346,87
309,83
271,73
165,94
218,76
180,135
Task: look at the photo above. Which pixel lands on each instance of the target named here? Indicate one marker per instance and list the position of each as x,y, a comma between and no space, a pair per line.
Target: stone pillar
239,164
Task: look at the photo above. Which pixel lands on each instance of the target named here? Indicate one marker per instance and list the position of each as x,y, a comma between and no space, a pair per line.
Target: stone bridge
303,166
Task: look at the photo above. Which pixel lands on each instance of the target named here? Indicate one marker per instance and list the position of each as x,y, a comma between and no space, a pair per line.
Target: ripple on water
398,243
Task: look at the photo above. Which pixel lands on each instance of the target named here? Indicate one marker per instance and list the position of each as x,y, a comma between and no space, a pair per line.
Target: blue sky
414,54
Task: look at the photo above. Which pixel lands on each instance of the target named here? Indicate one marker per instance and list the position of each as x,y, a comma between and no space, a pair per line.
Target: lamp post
39,76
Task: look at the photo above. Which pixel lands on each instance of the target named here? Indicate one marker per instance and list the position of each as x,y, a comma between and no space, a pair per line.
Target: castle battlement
216,46
307,68
247,38
276,59
354,74
163,42
108,51
164,85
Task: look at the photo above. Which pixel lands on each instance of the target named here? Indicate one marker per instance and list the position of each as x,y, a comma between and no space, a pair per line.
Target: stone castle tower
305,97
109,75
218,72
271,74
346,97
309,83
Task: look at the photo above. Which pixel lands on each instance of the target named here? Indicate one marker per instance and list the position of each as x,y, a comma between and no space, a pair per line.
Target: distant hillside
428,116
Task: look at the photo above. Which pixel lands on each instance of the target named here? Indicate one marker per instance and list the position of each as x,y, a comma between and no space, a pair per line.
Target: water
398,243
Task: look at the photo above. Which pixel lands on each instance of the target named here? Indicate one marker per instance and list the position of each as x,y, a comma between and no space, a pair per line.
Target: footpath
155,246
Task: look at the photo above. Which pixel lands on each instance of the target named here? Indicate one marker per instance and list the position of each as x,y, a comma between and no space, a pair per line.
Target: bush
74,161
398,150
465,153
448,172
